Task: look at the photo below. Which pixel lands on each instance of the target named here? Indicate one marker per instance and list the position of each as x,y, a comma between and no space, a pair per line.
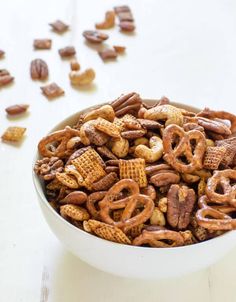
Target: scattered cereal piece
13,134
52,90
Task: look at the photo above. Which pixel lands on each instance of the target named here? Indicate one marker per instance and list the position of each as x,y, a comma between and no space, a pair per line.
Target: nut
48,167
120,147
127,26
16,109
162,204
151,154
95,36
119,49
74,65
108,54
109,21
39,70
59,26
157,217
42,43
81,78
66,52
180,202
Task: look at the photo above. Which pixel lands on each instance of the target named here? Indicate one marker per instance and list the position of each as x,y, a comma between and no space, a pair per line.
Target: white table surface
185,50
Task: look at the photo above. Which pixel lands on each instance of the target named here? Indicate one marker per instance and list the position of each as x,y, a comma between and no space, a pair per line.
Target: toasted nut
74,212
105,112
39,70
52,90
90,135
162,204
108,54
13,134
66,52
74,65
141,141
127,26
120,147
171,114
16,109
59,26
42,43
133,134
75,197
151,154
95,36
104,151
201,189
109,21
105,182
210,142
5,77
2,53
85,77
150,191
119,49
190,178
157,217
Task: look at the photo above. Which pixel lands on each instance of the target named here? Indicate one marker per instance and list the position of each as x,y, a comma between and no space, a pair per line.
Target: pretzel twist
129,204
183,147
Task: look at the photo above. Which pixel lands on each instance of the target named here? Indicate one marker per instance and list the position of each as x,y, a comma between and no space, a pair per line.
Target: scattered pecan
42,43
132,134
95,36
108,54
52,91
165,177
16,109
47,167
66,52
5,77
2,53
59,26
39,69
180,203
127,26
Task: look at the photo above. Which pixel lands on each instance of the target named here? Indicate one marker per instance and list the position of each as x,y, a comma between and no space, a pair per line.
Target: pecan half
42,43
66,52
39,70
127,26
47,167
59,26
5,77
180,203
108,54
16,109
95,36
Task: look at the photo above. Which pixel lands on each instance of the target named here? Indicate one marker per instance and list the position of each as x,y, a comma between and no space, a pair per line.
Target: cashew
162,204
141,141
109,21
171,114
157,218
151,154
120,147
82,77
106,112
190,178
210,142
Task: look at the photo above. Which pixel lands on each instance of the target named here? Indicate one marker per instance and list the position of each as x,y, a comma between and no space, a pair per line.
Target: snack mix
155,176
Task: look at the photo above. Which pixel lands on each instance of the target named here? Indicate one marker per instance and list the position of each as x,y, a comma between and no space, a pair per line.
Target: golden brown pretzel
183,147
212,218
61,137
129,204
90,203
154,238
223,179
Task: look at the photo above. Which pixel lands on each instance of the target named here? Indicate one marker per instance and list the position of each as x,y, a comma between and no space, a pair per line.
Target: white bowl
131,261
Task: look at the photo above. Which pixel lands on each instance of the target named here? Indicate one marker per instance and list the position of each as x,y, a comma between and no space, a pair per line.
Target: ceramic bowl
125,260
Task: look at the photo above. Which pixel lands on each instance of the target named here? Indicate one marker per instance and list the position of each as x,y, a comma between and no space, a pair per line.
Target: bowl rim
39,190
